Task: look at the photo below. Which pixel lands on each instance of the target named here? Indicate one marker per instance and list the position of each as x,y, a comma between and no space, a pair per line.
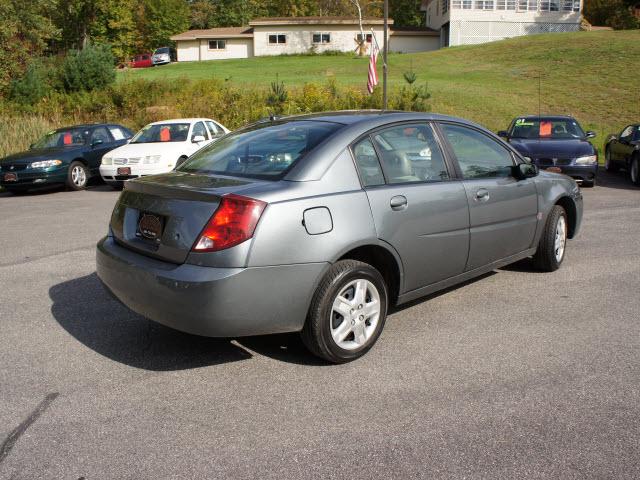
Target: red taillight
232,223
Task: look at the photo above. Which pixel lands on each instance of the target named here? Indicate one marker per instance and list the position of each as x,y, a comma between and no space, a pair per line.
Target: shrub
32,86
88,69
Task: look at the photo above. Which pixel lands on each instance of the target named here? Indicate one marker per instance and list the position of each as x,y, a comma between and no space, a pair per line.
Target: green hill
592,75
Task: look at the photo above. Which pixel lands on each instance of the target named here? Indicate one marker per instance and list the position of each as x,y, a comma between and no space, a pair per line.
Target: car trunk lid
162,216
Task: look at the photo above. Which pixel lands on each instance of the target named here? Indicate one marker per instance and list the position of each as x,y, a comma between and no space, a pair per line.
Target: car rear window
265,151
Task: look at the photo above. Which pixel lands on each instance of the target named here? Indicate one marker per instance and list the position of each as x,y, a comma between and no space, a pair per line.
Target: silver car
320,223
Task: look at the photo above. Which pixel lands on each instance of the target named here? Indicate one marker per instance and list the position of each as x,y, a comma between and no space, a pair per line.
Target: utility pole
384,55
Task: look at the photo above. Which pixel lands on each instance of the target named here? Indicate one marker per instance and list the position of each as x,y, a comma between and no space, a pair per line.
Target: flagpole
384,55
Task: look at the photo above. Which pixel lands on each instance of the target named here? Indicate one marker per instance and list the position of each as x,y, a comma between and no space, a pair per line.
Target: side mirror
525,170
590,134
198,139
96,142
503,134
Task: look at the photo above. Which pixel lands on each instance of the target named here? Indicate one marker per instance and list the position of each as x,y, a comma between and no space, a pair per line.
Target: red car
142,61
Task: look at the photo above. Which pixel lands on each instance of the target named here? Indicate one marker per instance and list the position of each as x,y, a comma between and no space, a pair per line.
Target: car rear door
502,210
418,207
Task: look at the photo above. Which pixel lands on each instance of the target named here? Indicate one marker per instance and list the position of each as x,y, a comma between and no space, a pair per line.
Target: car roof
547,117
354,117
88,125
181,120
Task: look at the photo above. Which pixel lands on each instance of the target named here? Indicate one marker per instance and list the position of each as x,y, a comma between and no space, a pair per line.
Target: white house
287,35
462,22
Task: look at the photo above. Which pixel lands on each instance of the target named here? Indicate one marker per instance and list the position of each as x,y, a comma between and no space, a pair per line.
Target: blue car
68,156
555,142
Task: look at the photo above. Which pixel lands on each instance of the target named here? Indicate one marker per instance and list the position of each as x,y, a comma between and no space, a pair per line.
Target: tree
88,69
160,20
25,32
612,13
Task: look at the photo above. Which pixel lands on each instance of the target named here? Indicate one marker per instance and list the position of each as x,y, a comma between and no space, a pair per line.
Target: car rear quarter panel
551,188
281,237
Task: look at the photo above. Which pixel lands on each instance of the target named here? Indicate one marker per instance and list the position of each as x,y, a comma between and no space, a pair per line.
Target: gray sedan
320,223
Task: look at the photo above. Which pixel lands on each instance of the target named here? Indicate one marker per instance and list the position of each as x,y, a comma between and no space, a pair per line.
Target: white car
158,148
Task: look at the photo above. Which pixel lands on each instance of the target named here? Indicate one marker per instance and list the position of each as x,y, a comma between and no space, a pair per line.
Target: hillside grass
591,75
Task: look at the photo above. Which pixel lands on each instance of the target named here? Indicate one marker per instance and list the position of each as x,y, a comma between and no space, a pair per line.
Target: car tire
552,246
609,165
589,183
181,160
116,185
339,328
634,170
77,176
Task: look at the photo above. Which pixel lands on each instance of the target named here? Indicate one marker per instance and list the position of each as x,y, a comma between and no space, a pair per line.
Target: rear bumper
214,302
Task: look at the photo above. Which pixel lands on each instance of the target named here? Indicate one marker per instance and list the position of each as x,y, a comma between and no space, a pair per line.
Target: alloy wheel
561,238
78,176
354,314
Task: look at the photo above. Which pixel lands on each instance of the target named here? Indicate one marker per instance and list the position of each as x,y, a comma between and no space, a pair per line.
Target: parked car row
73,155
559,143
160,56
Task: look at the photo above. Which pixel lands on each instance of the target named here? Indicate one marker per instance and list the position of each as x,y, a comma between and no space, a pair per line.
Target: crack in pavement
17,432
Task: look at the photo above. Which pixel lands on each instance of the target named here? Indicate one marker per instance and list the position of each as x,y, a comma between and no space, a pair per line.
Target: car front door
502,210
100,142
622,149
417,206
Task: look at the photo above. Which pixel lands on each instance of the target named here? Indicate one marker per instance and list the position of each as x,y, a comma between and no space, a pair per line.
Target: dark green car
68,156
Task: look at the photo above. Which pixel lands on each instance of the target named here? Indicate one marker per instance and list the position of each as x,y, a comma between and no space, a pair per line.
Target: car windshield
261,151
555,128
63,138
162,50
164,132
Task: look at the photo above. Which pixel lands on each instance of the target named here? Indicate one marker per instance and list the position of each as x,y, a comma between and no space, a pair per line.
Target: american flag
372,81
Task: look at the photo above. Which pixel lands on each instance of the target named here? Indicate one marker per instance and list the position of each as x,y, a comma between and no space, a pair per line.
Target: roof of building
224,32
247,31
316,20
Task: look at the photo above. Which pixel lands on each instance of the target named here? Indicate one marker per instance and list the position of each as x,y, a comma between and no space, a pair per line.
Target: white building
288,35
462,22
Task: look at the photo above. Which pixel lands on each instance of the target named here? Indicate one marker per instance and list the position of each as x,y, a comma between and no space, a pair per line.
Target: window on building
484,4
445,6
463,4
277,39
368,36
321,38
217,44
533,6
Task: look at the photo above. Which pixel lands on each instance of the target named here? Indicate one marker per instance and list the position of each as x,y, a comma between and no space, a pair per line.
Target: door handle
399,202
482,194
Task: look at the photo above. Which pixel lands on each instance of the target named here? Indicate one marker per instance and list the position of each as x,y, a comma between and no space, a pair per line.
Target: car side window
627,133
367,162
100,134
478,155
199,130
214,130
636,135
117,133
410,153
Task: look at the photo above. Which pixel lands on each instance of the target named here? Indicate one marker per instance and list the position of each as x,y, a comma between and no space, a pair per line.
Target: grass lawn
591,75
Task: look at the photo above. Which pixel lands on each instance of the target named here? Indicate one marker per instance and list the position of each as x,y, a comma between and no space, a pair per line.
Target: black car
68,156
556,142
624,151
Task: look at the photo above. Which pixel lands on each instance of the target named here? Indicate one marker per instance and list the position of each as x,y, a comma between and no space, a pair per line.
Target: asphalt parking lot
516,374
